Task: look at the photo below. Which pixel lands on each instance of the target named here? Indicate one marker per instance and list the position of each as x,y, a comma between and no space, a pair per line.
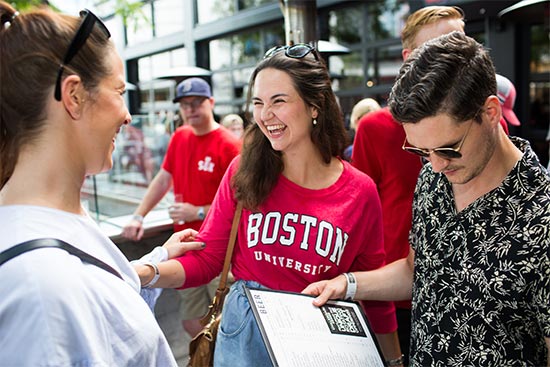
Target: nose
266,113
128,119
438,163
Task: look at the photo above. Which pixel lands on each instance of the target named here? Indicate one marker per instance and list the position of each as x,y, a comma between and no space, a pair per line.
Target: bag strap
230,245
55,243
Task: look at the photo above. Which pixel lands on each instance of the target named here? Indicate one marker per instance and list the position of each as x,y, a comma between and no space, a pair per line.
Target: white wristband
155,277
138,218
352,286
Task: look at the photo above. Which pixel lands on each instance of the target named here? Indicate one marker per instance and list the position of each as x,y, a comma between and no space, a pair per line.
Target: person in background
377,152
506,93
234,123
479,265
56,310
197,157
308,215
360,109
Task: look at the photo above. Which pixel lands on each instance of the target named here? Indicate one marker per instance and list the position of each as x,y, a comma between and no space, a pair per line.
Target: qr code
342,320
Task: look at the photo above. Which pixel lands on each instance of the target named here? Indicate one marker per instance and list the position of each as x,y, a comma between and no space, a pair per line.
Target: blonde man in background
234,123
377,152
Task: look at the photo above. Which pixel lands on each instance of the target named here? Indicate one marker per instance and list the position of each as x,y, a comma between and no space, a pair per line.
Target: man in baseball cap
196,159
506,93
192,87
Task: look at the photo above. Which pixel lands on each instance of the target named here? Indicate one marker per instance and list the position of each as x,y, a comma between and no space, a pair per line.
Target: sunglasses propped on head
297,51
82,34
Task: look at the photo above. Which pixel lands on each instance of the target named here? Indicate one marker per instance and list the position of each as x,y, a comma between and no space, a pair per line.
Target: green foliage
129,10
27,4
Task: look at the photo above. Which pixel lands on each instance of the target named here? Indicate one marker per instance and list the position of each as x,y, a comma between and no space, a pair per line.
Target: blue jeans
239,342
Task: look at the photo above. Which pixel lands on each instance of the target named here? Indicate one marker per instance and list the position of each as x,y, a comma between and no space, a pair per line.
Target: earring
314,122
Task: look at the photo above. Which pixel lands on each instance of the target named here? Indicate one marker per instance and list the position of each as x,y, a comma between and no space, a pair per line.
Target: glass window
348,70
386,19
383,64
220,53
140,149
169,17
140,29
222,84
540,50
151,67
210,10
245,4
346,25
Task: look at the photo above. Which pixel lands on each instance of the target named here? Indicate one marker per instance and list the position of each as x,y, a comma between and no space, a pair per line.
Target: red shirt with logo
296,237
197,165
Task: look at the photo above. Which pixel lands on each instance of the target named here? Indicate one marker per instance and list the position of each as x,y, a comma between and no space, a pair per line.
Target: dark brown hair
32,47
451,74
260,164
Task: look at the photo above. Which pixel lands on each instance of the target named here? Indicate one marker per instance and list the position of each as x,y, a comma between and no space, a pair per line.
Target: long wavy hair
260,165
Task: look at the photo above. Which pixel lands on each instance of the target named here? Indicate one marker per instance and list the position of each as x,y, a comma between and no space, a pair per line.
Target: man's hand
183,212
133,230
327,289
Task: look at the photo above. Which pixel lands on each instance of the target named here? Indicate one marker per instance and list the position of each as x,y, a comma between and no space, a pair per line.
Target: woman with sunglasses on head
61,107
308,215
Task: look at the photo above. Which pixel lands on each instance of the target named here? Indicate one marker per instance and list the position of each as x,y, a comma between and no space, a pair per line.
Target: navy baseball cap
192,87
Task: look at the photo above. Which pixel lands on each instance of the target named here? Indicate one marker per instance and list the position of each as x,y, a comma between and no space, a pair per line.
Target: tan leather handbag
201,347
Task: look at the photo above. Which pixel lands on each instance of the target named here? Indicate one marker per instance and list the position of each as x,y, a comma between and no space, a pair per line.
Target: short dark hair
451,74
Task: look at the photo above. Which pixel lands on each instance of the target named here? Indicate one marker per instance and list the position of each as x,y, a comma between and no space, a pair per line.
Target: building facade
222,40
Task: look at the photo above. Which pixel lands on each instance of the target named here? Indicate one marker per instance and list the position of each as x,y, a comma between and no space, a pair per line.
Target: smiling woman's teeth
274,129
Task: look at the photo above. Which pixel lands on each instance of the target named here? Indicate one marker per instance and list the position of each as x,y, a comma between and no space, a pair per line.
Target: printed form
296,333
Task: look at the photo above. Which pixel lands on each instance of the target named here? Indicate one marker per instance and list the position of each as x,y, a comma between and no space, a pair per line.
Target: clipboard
296,333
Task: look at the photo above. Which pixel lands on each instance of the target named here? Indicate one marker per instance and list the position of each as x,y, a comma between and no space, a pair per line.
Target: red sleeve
381,314
362,157
204,265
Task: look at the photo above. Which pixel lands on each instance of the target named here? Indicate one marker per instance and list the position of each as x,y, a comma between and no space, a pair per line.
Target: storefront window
386,19
210,10
346,25
168,17
232,60
383,64
140,27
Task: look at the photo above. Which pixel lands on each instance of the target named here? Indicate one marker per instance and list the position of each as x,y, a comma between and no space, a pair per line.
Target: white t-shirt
56,310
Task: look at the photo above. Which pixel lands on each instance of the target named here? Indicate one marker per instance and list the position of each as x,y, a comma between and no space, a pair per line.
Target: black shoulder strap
52,242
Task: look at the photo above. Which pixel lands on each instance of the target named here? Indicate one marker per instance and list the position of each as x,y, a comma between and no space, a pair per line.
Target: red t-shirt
198,163
296,237
377,152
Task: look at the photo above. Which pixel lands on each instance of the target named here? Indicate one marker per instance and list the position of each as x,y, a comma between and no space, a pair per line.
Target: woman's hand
181,242
327,289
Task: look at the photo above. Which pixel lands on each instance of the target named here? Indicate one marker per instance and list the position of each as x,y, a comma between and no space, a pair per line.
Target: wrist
137,218
395,362
200,213
351,288
155,277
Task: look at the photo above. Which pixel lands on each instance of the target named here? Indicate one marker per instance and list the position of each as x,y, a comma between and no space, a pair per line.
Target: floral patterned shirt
481,294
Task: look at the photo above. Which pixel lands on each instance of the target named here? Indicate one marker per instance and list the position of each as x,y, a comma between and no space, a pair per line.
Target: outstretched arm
171,273
392,282
156,191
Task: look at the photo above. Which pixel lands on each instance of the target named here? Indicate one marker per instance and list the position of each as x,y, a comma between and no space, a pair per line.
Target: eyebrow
273,96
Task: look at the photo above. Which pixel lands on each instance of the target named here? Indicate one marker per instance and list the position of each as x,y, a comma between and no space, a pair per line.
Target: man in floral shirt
479,266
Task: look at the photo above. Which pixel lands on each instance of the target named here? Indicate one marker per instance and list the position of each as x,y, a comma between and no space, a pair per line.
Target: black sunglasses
82,34
444,152
297,51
